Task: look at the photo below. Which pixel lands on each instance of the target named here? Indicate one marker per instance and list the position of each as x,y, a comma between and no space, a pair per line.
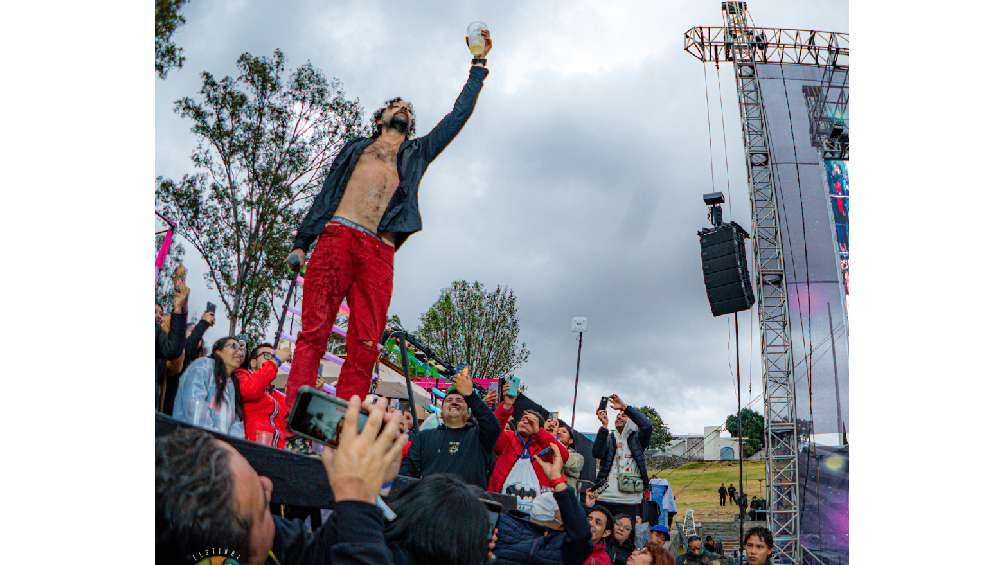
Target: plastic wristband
481,61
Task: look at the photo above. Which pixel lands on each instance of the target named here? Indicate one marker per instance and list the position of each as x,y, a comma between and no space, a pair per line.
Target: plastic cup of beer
475,42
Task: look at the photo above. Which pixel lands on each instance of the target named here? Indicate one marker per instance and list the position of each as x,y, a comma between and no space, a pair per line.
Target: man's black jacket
168,345
413,157
352,534
604,447
465,451
192,343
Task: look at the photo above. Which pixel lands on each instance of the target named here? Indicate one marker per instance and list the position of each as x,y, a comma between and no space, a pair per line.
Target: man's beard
400,123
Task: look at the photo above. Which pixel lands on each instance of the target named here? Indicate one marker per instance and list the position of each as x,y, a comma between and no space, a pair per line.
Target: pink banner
165,248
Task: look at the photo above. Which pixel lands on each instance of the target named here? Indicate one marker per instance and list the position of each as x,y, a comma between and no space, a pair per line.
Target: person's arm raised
436,140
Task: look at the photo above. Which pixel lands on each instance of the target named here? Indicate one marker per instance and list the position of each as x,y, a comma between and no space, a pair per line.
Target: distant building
709,446
718,448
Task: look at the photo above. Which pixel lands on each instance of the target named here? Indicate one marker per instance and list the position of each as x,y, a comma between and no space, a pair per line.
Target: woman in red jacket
264,406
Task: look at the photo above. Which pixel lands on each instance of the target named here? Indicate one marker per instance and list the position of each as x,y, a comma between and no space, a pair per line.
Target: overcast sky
577,182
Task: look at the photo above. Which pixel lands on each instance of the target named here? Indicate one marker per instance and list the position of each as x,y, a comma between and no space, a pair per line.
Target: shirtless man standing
365,211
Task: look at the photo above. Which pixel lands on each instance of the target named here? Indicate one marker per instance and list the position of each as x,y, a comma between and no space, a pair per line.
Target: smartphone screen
603,403
319,416
210,307
492,509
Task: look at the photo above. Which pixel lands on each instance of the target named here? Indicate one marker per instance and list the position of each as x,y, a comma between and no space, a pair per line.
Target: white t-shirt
623,463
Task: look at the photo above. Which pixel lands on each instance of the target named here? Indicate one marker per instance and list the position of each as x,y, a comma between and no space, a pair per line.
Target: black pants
721,500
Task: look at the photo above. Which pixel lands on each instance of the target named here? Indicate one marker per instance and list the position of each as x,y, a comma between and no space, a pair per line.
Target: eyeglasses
235,346
265,353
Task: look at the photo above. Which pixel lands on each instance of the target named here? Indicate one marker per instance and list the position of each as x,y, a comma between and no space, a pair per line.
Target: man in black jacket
722,493
194,344
732,493
460,445
211,502
366,209
169,345
622,458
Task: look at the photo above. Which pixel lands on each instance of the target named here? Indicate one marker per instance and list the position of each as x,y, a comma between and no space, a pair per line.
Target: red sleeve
544,439
253,385
502,415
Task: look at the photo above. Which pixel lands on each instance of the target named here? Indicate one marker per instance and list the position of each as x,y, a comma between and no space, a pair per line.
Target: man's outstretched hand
301,256
462,380
488,42
356,469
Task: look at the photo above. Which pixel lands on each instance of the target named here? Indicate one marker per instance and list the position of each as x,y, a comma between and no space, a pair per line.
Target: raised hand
283,353
209,318
551,470
551,426
617,403
462,380
181,289
491,398
488,42
590,498
357,468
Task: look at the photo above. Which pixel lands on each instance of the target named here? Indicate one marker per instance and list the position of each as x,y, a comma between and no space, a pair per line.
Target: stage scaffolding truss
746,46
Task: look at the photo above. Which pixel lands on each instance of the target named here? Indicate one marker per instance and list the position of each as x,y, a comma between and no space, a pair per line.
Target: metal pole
403,346
836,381
575,396
739,415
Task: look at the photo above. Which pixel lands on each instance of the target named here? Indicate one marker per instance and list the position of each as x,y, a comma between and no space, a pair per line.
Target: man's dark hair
610,517
254,353
709,538
762,533
195,490
378,115
421,531
693,538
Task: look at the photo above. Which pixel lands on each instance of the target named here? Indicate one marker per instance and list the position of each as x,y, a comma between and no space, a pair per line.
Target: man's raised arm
436,140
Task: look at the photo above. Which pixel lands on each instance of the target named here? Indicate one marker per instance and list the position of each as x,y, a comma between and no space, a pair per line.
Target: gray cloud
577,182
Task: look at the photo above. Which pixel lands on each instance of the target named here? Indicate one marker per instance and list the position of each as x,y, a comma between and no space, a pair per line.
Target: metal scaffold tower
746,46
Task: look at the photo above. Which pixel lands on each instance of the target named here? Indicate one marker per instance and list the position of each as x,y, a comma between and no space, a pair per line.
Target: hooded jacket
413,158
521,541
464,451
509,447
198,384
599,556
605,446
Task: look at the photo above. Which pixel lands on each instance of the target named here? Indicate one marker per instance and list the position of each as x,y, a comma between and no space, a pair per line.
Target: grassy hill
696,485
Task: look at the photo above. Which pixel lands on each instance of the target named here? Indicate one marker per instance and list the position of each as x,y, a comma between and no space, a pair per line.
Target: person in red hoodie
264,406
516,471
601,523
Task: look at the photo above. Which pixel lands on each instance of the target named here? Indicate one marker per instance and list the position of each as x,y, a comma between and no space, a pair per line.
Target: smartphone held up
319,416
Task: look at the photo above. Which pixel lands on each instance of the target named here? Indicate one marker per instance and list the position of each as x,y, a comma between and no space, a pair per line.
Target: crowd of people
755,509
209,496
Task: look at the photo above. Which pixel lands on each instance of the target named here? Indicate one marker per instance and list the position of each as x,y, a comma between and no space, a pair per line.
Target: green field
696,485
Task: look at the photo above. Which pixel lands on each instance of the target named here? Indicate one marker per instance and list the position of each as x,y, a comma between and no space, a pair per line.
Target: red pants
346,263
